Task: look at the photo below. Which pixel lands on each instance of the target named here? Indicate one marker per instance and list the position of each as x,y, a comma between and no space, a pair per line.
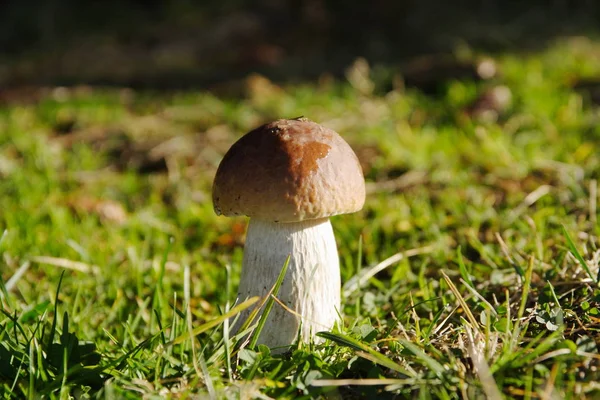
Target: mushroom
289,177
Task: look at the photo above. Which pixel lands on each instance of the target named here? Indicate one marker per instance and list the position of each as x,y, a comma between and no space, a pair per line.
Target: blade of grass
67,264
463,268
226,324
432,364
250,319
578,255
53,328
518,357
461,300
365,351
369,382
434,322
31,391
540,349
481,367
479,297
157,301
161,331
359,256
214,322
3,289
269,304
526,288
119,362
3,293
210,387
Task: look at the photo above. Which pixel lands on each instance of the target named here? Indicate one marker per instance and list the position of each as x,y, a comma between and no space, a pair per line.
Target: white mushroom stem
311,287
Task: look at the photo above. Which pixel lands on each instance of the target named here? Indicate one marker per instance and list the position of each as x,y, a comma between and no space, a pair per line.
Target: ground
472,269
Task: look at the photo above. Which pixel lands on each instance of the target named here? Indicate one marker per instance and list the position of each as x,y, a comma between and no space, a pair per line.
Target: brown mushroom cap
289,171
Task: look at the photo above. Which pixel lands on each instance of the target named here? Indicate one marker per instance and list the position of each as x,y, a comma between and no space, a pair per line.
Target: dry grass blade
481,367
360,279
17,275
504,247
360,382
475,293
528,201
67,264
462,302
296,314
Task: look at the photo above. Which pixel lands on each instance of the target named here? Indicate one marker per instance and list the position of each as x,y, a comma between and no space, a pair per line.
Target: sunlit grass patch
471,271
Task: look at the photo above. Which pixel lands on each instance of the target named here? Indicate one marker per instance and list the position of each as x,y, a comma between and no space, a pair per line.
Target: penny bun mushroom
289,177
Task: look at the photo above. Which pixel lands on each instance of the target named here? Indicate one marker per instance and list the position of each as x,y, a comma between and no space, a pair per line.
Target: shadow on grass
180,45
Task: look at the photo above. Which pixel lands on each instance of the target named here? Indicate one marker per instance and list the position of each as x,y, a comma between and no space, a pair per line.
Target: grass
472,270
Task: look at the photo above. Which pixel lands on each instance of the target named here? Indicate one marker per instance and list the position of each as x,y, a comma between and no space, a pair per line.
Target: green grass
472,269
